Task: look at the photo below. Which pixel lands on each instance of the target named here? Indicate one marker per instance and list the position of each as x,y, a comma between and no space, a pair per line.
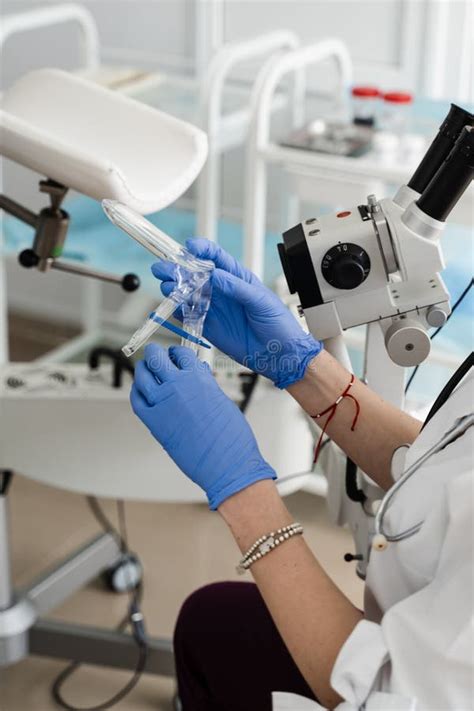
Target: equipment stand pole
6,590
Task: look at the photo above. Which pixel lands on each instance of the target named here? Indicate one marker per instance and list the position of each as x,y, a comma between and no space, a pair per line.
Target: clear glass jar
364,105
396,112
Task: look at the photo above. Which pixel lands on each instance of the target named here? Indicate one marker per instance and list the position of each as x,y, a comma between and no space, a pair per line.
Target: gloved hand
177,398
246,320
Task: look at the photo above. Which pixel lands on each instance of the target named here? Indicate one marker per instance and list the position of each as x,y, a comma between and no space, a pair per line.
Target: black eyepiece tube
441,147
451,180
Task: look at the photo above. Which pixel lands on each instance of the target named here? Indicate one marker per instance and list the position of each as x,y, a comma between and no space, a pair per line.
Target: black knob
28,258
130,282
120,362
348,557
345,266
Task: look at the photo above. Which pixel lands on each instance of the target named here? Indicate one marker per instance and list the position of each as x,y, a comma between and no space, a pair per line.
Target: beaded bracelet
265,544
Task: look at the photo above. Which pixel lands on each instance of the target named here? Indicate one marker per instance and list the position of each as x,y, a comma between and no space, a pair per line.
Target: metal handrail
54,15
267,82
210,113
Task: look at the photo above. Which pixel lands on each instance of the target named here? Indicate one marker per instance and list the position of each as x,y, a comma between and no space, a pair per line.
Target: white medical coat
415,647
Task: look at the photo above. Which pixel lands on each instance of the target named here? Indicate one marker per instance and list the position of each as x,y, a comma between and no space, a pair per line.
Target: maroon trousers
229,654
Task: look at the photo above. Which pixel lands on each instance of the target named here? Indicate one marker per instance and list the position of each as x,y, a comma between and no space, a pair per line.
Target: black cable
352,490
103,520
70,669
324,444
133,618
249,382
452,383
435,333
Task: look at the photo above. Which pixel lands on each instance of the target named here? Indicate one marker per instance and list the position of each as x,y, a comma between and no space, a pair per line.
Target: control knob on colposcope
345,266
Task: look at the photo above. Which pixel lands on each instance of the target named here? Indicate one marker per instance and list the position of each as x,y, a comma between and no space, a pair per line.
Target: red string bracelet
331,411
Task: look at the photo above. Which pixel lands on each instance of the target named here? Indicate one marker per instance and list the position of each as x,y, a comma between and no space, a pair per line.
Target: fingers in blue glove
146,383
183,358
167,287
205,249
236,288
196,423
161,366
138,402
159,363
228,284
164,270
164,365
186,359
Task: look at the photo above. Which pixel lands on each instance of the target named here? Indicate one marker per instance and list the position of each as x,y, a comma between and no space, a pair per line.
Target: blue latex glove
176,396
246,320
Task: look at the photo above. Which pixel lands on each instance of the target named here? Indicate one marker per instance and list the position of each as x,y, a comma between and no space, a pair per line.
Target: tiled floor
182,546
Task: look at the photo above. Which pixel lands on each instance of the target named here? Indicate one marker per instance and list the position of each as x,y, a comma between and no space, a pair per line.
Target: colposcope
381,261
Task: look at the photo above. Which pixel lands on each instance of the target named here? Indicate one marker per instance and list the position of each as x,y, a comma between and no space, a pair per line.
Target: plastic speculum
193,285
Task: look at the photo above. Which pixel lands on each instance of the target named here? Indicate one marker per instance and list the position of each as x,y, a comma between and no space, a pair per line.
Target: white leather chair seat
99,142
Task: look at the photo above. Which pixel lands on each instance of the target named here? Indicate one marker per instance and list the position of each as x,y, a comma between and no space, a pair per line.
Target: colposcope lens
451,180
441,147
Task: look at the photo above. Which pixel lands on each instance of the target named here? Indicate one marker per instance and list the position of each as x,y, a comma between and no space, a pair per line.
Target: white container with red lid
396,112
364,102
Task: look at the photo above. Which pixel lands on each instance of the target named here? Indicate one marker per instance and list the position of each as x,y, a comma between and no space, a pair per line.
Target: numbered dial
345,266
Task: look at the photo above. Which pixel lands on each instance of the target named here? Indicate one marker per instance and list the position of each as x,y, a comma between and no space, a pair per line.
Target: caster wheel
125,575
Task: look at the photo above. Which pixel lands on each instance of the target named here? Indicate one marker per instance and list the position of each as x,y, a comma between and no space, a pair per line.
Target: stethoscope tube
381,539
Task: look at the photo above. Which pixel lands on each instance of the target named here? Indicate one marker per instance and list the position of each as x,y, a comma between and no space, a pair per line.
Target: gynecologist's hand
177,398
246,320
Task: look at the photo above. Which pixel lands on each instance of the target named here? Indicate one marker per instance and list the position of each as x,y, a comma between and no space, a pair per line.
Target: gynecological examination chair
89,139
70,425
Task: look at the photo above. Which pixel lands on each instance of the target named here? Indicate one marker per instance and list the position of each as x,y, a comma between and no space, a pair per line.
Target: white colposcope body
398,270
380,262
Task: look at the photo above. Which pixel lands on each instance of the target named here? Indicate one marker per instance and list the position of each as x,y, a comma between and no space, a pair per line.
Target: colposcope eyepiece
452,178
441,147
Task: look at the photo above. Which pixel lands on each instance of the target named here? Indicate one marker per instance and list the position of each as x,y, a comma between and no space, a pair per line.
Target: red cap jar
396,111
364,103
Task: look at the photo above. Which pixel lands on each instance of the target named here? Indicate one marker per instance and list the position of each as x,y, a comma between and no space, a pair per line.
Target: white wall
389,39
145,29
414,44
382,35
396,44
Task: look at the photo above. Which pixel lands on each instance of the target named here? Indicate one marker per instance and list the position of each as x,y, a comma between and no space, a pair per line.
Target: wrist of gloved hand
254,469
178,399
285,363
